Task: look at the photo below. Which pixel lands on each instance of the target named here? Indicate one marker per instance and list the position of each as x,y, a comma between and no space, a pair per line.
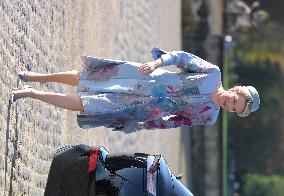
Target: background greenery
256,143
260,185
256,147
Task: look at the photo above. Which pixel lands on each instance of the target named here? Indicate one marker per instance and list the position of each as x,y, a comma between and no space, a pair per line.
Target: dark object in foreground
87,171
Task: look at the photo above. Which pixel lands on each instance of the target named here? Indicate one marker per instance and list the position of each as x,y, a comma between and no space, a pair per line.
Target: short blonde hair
241,91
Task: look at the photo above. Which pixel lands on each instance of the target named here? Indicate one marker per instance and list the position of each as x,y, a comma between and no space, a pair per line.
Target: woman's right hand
148,68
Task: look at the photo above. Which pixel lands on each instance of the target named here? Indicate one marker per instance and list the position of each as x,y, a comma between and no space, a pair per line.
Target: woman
131,96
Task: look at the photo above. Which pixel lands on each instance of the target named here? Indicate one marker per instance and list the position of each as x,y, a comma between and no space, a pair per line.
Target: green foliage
262,185
257,141
265,43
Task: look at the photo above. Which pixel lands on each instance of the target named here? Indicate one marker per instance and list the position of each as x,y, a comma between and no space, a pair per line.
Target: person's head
240,99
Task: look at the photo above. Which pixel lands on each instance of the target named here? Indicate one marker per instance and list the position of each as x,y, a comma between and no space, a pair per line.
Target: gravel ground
50,36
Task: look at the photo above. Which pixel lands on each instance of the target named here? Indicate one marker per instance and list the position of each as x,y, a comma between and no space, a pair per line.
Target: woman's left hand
147,68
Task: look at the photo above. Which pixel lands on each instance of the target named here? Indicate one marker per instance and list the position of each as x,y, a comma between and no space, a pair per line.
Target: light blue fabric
255,98
115,94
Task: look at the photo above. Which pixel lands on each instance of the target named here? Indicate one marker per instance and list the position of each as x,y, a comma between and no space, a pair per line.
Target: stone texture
50,36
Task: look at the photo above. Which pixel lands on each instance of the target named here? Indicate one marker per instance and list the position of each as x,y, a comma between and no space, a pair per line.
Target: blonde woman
132,96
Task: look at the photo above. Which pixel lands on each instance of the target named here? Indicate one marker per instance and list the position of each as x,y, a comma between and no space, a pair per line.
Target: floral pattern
102,74
132,101
172,90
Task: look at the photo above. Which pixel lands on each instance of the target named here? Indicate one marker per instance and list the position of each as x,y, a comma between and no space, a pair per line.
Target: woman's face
232,102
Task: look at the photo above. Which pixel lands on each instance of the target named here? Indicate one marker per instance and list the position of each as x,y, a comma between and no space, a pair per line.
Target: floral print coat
114,94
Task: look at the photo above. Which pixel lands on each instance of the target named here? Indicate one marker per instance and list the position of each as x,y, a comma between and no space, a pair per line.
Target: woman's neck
216,95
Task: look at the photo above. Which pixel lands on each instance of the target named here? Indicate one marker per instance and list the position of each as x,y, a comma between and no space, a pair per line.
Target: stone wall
31,38
50,36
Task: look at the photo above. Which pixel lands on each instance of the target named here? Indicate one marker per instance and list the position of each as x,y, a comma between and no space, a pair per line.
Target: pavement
50,36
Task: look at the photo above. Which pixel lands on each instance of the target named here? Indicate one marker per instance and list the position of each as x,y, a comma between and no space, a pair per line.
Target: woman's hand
148,68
